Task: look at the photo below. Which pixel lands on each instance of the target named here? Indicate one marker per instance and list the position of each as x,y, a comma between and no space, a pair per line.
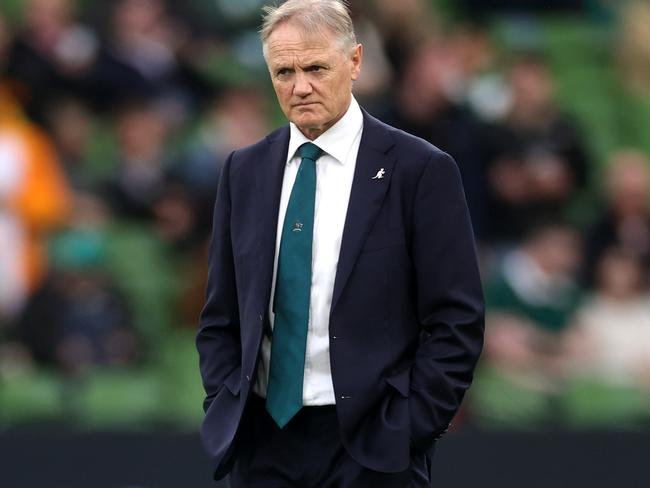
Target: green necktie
292,292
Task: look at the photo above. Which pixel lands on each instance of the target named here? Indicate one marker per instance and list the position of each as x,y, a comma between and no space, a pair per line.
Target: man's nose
302,88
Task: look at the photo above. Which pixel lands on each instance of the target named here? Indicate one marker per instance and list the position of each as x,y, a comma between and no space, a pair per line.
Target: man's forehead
299,55
288,39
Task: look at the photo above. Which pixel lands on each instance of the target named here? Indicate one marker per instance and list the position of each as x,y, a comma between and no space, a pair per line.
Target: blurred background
115,117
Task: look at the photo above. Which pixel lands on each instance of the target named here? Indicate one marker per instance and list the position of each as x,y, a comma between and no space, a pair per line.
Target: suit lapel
366,197
268,190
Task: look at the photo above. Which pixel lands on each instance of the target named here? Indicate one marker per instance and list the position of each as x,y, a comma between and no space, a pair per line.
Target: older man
344,313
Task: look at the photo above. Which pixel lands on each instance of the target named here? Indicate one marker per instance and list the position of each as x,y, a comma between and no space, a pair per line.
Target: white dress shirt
334,174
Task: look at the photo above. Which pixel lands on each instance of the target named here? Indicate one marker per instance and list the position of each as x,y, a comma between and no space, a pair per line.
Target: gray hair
311,16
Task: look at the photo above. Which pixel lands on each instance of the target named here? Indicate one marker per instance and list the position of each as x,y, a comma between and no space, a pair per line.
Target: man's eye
315,68
283,72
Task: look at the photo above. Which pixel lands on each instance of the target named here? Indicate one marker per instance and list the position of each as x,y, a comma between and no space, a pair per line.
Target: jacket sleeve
450,304
218,339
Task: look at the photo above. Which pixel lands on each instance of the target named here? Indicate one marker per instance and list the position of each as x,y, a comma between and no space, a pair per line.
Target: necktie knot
310,151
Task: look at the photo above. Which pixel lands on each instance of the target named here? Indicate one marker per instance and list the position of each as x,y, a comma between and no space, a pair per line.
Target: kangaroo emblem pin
380,174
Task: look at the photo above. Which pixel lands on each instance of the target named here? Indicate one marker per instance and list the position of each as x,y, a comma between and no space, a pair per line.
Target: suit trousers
308,453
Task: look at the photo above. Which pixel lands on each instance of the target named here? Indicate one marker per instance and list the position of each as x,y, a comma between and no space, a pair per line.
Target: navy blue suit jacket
406,321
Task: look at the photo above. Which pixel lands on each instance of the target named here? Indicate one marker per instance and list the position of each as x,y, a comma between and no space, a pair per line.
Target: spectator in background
78,319
402,25
531,302
69,121
424,105
625,220
139,59
174,213
482,85
538,160
235,118
612,337
139,178
52,54
34,199
374,82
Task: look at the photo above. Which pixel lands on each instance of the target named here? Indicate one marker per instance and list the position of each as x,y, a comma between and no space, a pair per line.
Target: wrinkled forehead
288,39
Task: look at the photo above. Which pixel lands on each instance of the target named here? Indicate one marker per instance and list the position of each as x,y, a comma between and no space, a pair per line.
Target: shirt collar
337,140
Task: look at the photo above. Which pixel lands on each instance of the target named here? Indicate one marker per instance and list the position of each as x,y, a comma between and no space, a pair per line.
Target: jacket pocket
400,381
233,381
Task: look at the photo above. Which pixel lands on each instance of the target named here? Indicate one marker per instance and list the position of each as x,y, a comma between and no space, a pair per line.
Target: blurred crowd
115,117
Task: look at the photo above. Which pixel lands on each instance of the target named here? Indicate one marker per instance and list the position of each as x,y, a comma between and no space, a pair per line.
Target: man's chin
307,123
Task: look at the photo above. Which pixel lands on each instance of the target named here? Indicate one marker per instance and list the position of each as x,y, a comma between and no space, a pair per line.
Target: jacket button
261,318
248,378
345,397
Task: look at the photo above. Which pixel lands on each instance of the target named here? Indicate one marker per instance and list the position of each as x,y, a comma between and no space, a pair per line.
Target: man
344,313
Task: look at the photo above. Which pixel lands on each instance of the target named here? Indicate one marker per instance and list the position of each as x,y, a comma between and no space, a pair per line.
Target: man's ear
356,58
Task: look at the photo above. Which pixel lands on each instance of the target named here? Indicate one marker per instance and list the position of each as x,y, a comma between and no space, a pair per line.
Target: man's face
312,77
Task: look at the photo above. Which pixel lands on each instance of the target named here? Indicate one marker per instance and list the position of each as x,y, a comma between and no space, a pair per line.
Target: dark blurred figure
402,25
481,84
424,105
538,159
531,302
139,59
175,219
234,119
139,177
625,220
70,121
374,82
53,54
78,319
